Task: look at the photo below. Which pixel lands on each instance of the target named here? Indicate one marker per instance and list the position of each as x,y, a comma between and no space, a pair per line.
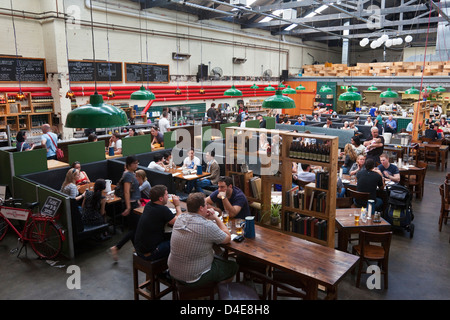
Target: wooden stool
184,292
153,271
236,291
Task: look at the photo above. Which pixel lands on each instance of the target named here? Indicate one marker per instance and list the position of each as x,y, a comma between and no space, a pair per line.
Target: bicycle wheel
45,239
3,227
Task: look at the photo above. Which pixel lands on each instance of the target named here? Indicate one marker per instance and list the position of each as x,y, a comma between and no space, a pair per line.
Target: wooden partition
304,99
137,144
170,139
29,161
86,152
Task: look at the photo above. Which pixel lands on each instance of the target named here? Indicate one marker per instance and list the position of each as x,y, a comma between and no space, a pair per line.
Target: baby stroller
399,212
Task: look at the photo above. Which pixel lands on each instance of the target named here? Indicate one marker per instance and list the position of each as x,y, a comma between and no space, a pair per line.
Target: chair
413,179
154,277
422,165
236,291
368,251
357,195
431,154
444,190
345,202
186,292
256,271
431,141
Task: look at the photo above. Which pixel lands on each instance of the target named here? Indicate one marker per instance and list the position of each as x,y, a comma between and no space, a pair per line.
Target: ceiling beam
376,34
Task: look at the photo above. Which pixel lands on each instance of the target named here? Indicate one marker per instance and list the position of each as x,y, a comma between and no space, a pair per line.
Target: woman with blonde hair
69,186
350,158
144,185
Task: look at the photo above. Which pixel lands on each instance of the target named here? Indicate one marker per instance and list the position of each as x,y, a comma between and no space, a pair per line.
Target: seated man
116,143
191,259
368,181
157,163
305,176
150,241
299,122
213,168
388,170
158,137
329,123
229,198
431,133
191,161
390,125
374,145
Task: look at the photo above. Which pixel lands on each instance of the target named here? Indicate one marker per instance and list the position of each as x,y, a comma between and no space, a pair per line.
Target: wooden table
313,263
346,226
82,188
56,164
178,173
107,156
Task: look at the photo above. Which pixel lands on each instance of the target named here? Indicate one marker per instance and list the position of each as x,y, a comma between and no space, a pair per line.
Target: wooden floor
419,267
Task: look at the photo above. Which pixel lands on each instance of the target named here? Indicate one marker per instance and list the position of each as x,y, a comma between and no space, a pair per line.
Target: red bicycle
41,231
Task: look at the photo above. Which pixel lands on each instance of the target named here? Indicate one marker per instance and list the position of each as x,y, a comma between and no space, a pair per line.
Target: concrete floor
419,267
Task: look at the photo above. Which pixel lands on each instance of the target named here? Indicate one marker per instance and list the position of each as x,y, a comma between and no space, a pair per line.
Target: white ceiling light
408,39
292,26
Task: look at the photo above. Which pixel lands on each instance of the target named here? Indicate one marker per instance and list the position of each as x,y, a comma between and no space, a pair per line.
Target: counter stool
236,291
186,292
154,277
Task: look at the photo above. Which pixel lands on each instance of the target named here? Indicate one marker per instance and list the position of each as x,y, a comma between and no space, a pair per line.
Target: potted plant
275,214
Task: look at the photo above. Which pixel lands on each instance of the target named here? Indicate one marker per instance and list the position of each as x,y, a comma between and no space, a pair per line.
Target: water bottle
363,215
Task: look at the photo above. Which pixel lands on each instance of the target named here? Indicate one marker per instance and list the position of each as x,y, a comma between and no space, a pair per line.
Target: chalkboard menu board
85,71
29,69
141,72
51,206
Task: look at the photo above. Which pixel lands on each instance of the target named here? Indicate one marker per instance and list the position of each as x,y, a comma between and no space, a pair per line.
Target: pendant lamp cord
93,49
107,41
425,52
67,44
15,45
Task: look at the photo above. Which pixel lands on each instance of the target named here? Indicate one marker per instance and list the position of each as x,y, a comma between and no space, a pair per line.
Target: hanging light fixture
142,93
429,90
232,92
325,89
389,94
20,95
96,114
254,86
289,90
440,89
412,90
300,87
201,91
278,101
281,86
69,94
110,94
372,88
269,88
350,95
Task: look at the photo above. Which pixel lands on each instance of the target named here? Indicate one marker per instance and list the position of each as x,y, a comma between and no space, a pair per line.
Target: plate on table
345,181
390,183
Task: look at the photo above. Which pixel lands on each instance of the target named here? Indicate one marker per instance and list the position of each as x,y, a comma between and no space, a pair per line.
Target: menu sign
143,72
13,69
51,206
101,71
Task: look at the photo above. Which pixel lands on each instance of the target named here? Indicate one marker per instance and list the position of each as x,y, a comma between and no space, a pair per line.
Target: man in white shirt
164,125
157,163
191,161
116,143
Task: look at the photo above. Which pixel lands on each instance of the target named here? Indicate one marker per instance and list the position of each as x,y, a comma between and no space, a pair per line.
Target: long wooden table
346,226
56,164
178,173
313,263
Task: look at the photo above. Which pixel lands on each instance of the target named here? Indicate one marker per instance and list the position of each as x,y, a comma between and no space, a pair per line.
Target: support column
443,33
345,45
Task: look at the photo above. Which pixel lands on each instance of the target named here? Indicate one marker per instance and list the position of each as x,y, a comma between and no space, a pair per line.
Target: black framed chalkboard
142,72
84,71
29,69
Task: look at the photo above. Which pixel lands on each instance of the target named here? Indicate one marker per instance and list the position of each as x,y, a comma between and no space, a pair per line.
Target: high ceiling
328,21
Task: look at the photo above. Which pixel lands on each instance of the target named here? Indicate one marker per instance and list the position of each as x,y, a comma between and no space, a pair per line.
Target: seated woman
93,207
83,176
22,145
144,185
350,158
69,185
263,143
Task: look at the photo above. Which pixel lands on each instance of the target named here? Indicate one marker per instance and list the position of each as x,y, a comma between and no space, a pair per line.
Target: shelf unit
240,146
28,114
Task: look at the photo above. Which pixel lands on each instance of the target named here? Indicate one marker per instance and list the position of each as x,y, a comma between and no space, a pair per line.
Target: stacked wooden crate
406,69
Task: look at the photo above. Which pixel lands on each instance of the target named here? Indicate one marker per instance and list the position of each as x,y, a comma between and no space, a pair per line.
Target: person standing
212,112
191,259
164,124
374,145
49,141
132,195
22,144
151,242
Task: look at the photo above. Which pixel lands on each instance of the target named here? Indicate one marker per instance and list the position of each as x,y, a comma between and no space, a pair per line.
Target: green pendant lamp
389,94
96,114
325,89
440,89
289,90
372,88
429,90
281,86
278,101
300,87
355,89
412,90
142,94
233,92
254,86
269,88
350,95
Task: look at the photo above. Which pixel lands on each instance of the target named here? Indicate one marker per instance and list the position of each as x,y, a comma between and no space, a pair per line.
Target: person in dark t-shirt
151,242
229,198
368,181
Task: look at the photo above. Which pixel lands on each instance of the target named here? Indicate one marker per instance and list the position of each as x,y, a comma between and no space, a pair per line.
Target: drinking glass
356,215
225,216
239,224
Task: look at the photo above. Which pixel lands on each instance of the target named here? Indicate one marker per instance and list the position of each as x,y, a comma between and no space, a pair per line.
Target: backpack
118,191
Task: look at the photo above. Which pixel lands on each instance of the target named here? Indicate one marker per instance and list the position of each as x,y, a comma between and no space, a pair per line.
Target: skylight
275,13
318,10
